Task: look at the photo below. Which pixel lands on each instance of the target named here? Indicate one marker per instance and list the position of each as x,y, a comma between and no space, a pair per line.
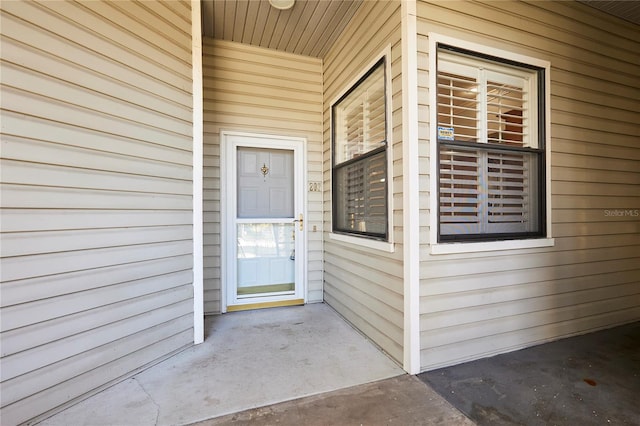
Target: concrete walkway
249,359
402,400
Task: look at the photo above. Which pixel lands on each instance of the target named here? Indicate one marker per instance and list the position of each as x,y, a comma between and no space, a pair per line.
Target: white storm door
265,248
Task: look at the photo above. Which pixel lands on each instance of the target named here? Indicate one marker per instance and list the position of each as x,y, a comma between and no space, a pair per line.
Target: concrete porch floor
249,359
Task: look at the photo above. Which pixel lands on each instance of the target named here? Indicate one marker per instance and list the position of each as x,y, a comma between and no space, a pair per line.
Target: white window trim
363,241
438,248
386,246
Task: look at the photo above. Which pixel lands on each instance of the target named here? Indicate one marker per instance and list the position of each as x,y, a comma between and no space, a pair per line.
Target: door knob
300,221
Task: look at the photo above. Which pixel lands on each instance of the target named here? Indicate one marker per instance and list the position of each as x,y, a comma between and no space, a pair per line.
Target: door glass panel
266,259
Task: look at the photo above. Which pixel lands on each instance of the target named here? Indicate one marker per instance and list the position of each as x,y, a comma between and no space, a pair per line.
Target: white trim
411,191
454,248
355,239
198,227
364,242
468,247
227,213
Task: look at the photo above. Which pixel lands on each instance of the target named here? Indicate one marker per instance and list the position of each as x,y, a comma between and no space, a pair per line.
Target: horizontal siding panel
31,290
268,80
76,33
217,88
168,40
41,356
618,95
67,380
28,220
17,53
355,316
580,147
236,108
354,274
479,265
619,118
31,104
596,98
110,299
132,154
568,118
83,56
440,356
32,151
21,243
595,189
630,226
179,25
296,106
478,282
25,196
594,176
489,296
22,267
265,124
300,79
594,202
592,161
37,174
272,58
143,37
49,87
513,309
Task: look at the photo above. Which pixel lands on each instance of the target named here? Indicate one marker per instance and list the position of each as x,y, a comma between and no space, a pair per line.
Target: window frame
489,242
371,239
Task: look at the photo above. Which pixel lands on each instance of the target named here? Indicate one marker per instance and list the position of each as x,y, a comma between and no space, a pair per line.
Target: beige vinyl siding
96,221
259,90
478,304
366,285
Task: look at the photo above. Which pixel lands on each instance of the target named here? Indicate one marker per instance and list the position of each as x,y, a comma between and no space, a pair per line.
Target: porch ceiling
309,28
627,10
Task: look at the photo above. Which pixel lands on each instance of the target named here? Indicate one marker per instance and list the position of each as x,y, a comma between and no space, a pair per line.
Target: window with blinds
491,150
360,157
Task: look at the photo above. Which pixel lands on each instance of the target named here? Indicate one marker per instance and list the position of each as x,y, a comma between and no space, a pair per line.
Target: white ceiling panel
309,28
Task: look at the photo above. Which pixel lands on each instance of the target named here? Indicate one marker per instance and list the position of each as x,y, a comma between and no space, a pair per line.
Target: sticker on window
445,133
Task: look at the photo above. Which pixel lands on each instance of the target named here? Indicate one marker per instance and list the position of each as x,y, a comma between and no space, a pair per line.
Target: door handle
300,221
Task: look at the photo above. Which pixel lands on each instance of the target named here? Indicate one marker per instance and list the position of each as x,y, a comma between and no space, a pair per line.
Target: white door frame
229,142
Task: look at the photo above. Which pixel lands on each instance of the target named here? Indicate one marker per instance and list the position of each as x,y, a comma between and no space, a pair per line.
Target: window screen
360,158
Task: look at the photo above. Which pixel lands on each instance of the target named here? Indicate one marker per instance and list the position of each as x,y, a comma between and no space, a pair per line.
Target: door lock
300,220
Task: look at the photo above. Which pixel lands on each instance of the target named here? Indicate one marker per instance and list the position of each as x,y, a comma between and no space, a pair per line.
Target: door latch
300,221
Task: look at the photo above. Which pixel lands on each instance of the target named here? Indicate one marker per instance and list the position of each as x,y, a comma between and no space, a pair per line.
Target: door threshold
263,305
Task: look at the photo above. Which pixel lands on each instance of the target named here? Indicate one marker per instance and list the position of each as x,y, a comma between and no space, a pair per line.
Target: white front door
264,220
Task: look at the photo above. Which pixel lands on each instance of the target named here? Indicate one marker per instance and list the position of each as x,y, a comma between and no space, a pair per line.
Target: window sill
454,248
364,242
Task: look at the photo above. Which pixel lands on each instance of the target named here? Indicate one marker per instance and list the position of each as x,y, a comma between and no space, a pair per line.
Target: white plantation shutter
375,123
361,119
507,108
489,161
510,203
460,201
458,102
